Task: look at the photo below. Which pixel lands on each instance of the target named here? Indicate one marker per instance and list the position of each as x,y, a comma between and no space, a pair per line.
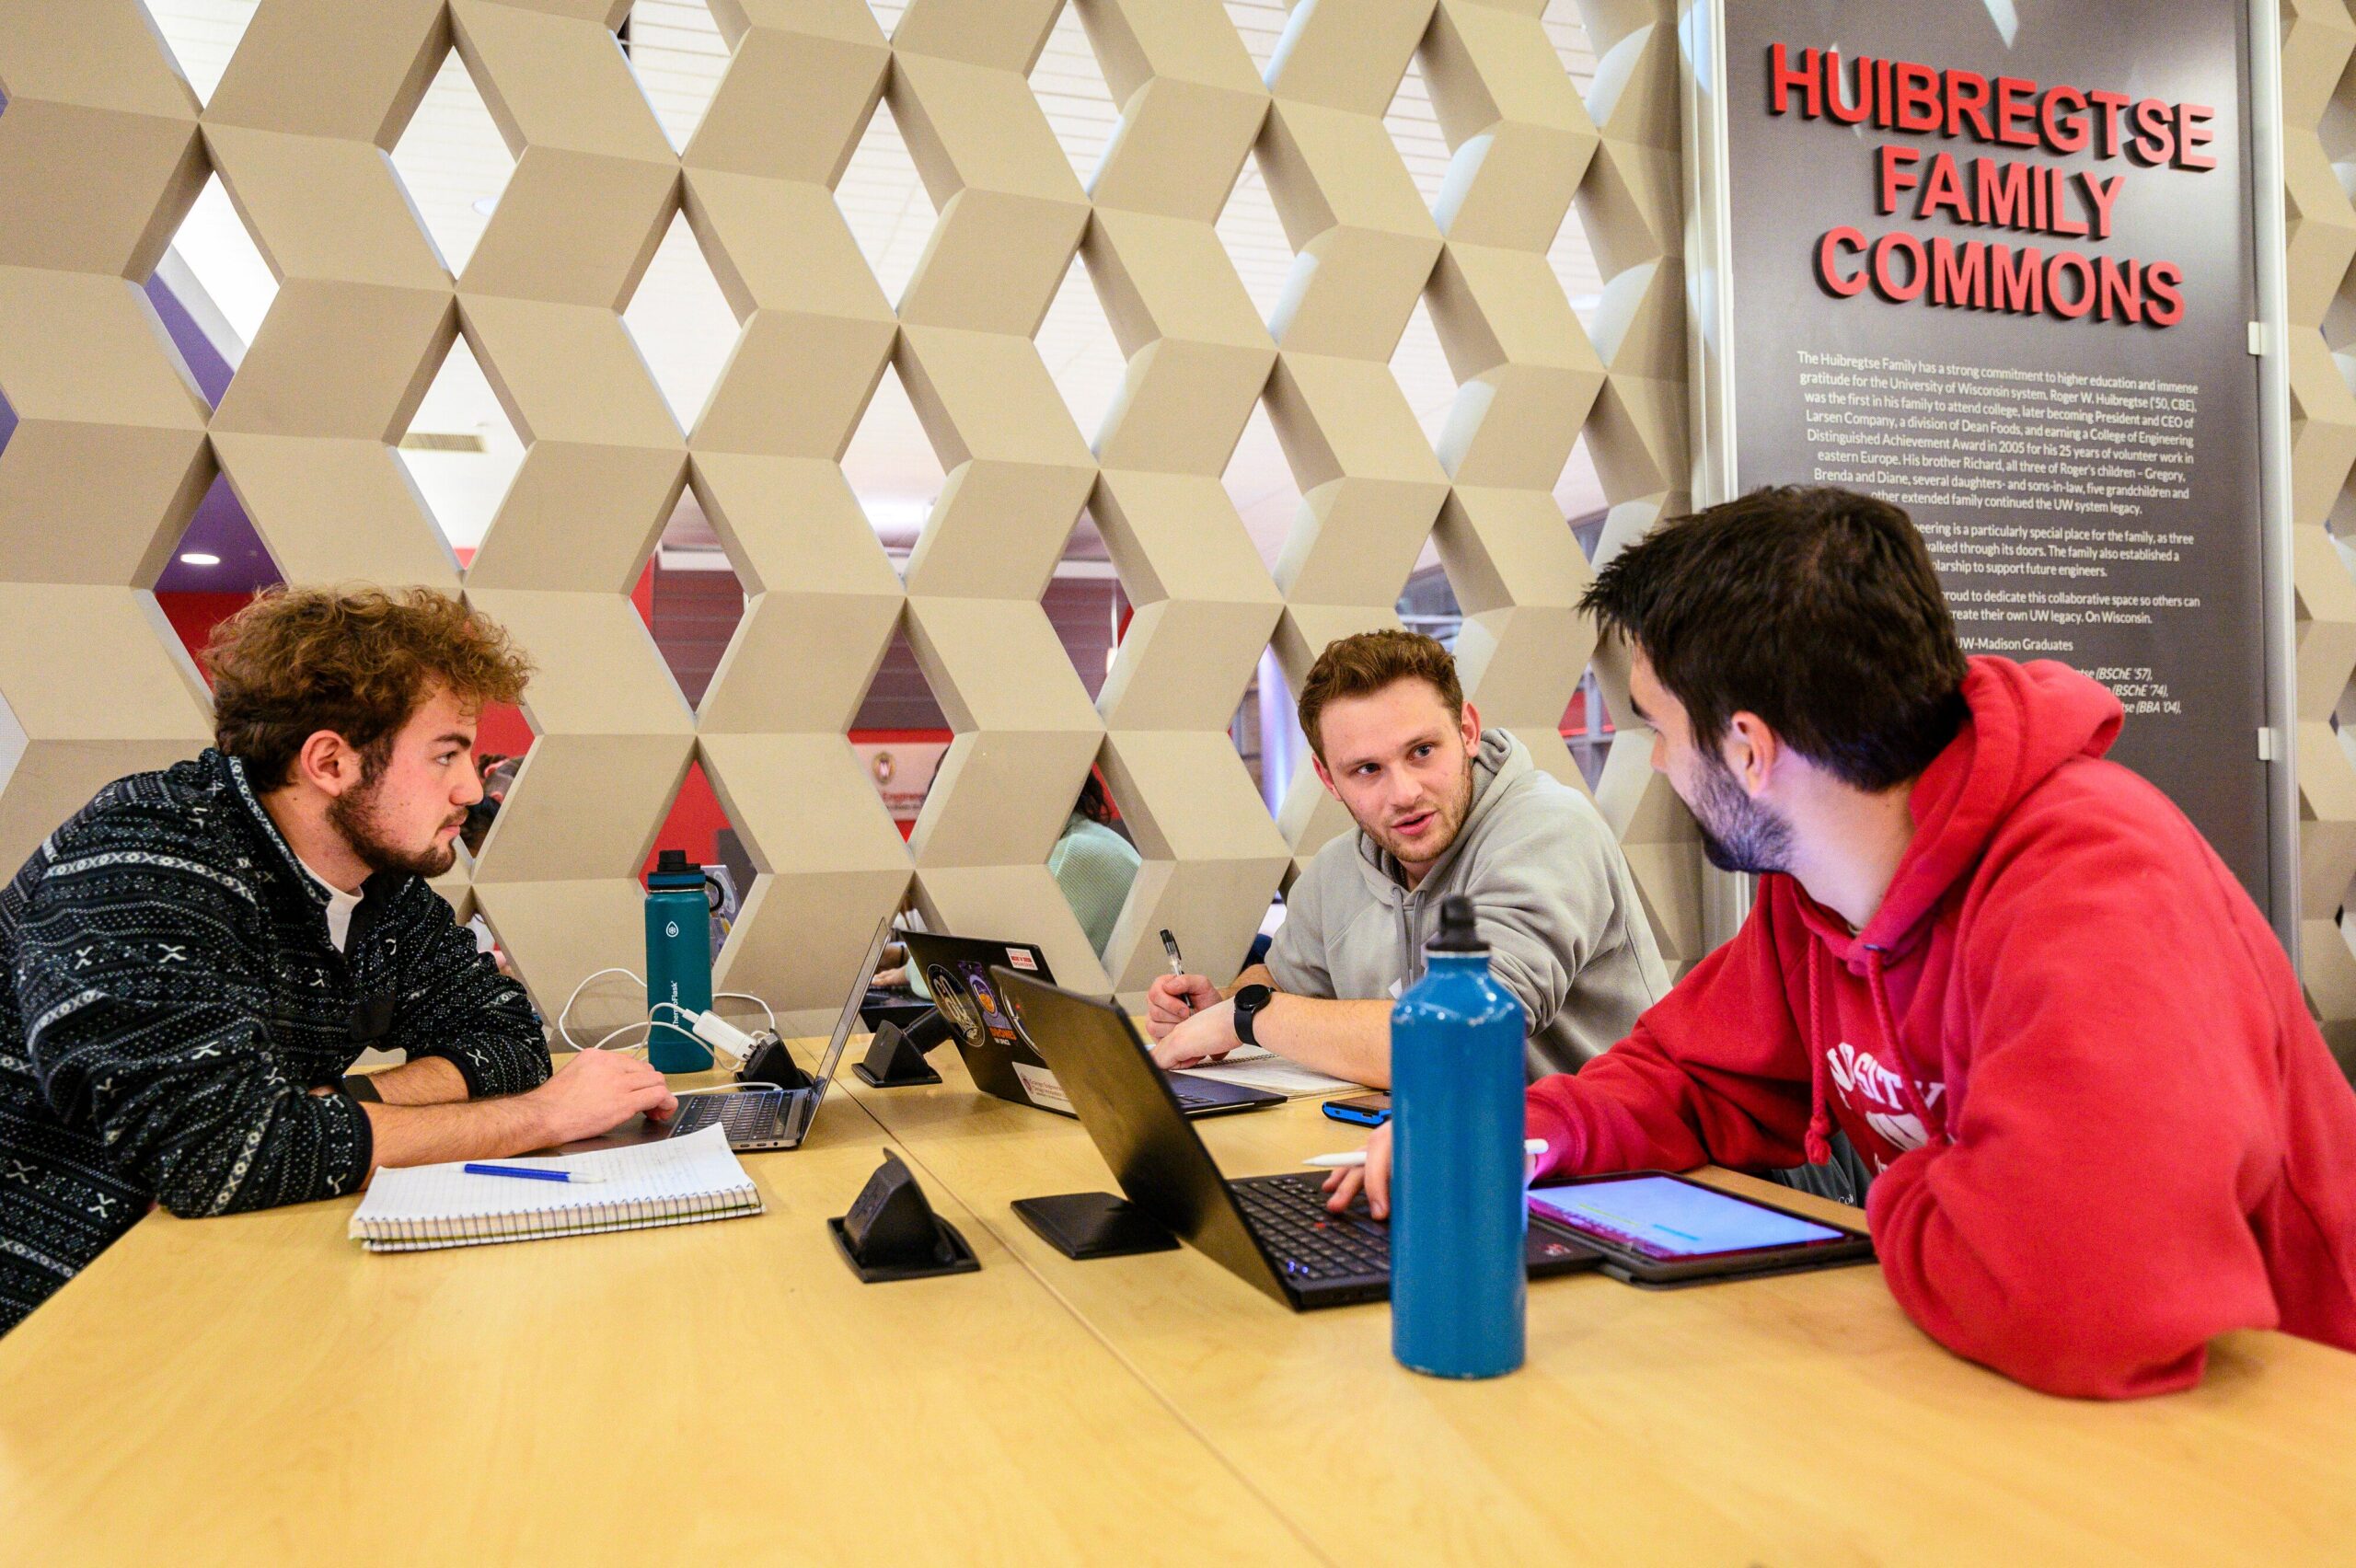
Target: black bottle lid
1458,931
672,863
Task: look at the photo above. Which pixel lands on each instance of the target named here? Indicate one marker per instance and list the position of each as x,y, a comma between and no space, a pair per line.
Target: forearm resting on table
1347,1039
474,1129
427,1080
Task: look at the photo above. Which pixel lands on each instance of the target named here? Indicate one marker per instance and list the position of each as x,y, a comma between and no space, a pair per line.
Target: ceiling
454,163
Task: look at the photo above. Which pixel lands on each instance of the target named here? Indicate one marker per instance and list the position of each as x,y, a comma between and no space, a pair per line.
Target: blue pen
530,1173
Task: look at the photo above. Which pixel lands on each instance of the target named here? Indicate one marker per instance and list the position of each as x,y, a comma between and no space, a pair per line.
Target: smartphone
1361,1110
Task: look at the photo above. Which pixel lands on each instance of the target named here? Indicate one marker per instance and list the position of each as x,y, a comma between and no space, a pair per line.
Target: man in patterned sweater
196,957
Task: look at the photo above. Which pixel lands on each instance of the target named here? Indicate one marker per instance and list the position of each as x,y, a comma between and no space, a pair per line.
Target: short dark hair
1364,664
1816,609
356,661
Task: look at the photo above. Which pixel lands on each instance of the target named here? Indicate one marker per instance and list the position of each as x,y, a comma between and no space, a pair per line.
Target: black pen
1177,963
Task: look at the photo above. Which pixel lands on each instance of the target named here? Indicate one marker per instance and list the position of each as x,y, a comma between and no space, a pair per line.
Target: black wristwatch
1249,1001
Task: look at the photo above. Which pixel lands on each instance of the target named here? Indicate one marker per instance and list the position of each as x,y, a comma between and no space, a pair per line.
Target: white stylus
1357,1157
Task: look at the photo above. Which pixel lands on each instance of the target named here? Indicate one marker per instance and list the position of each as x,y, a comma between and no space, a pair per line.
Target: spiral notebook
680,1180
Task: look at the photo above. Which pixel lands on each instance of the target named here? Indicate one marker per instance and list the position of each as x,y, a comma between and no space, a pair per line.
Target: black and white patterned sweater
173,999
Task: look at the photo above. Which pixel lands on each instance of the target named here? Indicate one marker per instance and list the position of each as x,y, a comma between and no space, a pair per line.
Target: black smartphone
1361,1110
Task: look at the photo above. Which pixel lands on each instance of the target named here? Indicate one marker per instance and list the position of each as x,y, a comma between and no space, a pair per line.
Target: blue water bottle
678,961
1457,1219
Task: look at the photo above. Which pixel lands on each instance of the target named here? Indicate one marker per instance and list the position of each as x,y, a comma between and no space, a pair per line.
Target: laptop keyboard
1288,1213
751,1117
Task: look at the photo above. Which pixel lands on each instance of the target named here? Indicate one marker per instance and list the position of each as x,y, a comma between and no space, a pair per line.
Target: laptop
999,1047
762,1117
1273,1232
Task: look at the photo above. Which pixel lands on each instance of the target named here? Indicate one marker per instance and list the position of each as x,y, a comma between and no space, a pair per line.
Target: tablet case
1632,1267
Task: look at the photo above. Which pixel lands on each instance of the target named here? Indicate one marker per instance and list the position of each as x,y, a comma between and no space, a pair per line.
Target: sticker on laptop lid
1018,958
1045,1091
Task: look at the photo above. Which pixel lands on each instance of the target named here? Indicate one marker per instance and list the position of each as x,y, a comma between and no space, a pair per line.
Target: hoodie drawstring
1817,1146
1933,1128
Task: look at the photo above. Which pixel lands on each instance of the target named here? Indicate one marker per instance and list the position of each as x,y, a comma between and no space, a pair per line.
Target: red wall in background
194,616
694,816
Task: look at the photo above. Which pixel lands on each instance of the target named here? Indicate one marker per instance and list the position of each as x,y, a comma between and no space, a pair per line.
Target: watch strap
1248,1003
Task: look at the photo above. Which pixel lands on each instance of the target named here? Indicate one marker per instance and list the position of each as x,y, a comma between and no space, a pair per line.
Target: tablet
1658,1228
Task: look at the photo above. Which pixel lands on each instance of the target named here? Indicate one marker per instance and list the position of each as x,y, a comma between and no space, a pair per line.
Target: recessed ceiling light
198,557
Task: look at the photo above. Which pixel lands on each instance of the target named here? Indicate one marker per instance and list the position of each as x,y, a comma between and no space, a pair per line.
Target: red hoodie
2104,1125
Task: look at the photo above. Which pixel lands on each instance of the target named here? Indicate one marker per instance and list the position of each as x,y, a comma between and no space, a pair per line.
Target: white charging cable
723,1037
562,1012
748,996
634,1046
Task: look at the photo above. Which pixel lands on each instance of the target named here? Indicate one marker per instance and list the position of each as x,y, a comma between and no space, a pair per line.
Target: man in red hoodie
2102,1127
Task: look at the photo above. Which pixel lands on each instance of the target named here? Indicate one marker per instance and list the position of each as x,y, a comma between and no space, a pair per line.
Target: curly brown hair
357,661
1363,664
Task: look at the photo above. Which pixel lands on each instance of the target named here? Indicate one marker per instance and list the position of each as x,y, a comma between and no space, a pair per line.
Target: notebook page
699,1165
1249,1066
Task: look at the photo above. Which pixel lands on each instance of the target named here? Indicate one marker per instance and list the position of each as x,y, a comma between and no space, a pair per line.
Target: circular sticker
949,996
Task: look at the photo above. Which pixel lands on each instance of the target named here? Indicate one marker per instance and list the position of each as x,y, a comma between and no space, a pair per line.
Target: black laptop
1000,1047
1273,1232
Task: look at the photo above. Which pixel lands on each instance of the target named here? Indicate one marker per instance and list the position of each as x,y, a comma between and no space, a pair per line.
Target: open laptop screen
803,1108
849,1019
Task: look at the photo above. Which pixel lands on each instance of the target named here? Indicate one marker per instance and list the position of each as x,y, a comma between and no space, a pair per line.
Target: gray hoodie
1553,895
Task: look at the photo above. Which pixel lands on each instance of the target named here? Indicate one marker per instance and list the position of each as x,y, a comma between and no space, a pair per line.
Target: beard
1738,833
354,814
1447,820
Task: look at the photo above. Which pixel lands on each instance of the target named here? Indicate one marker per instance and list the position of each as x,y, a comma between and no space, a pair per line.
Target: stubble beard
354,814
1451,816
1738,833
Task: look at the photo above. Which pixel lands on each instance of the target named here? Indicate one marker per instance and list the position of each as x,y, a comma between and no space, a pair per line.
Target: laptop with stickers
992,1035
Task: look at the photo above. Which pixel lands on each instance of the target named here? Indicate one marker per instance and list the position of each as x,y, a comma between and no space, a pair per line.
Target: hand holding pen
1177,996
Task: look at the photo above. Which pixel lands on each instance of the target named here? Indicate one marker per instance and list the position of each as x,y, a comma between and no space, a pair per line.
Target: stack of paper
671,1181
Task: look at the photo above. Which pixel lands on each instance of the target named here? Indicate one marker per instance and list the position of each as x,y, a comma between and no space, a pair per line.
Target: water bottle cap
1458,931
671,863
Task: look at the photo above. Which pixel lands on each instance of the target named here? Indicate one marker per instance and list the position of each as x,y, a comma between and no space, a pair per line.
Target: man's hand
1171,999
1374,1178
1205,1037
598,1091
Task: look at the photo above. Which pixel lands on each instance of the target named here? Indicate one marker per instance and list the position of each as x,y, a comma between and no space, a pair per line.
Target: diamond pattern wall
2318,97
104,147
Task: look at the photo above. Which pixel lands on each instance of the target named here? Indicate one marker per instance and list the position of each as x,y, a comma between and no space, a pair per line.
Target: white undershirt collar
340,906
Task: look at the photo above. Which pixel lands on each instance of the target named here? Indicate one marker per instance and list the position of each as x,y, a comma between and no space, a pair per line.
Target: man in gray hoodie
1441,808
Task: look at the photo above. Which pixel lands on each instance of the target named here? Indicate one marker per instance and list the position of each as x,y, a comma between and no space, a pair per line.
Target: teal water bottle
678,961
1457,1211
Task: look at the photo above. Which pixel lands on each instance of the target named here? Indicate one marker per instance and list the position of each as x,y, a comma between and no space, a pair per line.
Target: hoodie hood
2022,721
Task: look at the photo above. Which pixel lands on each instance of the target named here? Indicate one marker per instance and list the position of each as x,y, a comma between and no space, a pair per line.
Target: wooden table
257,1389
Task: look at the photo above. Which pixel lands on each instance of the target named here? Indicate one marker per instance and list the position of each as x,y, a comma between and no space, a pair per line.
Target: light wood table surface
256,1389
1785,1421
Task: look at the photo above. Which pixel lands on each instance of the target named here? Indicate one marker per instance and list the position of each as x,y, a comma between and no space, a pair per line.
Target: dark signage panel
1994,262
